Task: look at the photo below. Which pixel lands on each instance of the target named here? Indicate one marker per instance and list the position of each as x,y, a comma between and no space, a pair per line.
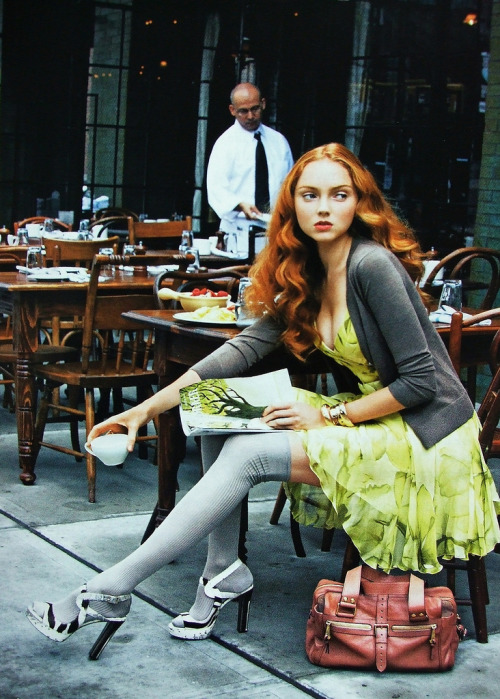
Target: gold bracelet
337,414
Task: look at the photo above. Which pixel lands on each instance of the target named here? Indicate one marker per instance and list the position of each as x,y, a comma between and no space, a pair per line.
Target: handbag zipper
344,625
420,627
366,627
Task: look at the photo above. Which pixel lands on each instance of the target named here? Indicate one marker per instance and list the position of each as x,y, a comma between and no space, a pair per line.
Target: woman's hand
127,422
293,416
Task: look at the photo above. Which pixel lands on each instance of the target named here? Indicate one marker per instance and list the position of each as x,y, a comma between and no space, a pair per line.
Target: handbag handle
351,590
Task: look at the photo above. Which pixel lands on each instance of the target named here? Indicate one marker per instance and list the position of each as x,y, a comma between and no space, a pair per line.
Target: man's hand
250,210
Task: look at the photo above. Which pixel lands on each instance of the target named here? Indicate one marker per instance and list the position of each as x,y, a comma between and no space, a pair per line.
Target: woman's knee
261,457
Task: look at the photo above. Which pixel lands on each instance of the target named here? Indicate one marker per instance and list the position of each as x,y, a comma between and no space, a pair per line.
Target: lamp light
470,19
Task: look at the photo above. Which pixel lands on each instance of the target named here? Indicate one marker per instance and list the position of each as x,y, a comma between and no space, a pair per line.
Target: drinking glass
23,236
34,259
108,269
186,241
451,294
48,226
195,265
242,318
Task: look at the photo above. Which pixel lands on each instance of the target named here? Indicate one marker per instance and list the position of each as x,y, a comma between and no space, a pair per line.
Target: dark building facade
126,99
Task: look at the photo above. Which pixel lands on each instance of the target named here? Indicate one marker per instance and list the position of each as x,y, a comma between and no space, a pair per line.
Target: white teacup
111,449
203,245
12,239
34,230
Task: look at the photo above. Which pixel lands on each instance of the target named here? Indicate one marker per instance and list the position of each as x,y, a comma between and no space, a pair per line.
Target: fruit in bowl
198,298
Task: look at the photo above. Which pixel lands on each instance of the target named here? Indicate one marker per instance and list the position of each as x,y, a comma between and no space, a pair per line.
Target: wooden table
27,302
178,346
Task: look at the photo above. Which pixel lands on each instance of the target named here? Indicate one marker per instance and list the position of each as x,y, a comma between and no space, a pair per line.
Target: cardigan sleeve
243,351
390,330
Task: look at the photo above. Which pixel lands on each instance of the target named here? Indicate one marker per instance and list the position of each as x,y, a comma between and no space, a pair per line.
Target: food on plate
213,315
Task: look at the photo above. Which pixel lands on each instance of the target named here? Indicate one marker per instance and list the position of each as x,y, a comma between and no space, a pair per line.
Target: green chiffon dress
402,505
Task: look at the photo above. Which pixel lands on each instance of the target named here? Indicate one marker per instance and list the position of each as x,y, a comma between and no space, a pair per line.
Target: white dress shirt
231,174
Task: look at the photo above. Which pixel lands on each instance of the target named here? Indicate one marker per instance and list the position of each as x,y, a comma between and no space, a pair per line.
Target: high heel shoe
47,624
196,630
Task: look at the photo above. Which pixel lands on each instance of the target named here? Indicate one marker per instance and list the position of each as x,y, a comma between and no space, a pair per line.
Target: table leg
171,441
25,415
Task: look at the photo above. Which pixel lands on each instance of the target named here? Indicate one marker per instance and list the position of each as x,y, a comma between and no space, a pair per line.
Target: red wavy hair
288,275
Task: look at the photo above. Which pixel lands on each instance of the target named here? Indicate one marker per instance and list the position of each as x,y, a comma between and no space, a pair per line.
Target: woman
396,462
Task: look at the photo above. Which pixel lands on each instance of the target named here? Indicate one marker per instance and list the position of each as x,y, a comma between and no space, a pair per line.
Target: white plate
187,317
48,277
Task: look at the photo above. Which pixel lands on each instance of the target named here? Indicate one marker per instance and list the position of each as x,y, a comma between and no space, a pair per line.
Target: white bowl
111,449
192,303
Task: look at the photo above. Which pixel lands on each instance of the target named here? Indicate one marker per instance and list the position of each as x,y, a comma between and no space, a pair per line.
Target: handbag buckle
346,606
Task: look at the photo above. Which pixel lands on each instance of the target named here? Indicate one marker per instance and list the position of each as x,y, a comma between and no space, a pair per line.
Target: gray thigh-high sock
223,541
244,461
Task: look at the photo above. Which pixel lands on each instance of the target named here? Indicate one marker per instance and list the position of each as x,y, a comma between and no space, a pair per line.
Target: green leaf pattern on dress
403,506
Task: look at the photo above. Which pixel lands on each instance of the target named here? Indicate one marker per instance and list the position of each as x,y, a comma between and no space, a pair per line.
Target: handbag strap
350,593
351,590
416,600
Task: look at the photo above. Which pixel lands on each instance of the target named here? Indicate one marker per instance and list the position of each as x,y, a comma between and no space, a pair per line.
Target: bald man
231,167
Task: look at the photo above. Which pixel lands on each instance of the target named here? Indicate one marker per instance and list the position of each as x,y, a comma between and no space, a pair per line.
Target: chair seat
98,376
44,353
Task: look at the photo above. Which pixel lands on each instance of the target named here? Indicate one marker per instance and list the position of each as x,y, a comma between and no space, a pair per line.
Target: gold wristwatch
336,414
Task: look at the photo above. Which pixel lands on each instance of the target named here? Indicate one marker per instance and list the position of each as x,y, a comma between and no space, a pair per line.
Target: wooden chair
9,261
58,225
48,352
479,269
158,236
78,253
101,226
53,347
112,367
489,415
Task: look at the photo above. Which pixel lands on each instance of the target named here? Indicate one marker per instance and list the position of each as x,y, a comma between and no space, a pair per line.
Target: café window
106,106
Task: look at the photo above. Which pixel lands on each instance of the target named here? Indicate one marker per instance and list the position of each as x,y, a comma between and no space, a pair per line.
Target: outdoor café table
178,346
27,302
208,261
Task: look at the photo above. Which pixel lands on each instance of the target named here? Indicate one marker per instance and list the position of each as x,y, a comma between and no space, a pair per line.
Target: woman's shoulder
369,252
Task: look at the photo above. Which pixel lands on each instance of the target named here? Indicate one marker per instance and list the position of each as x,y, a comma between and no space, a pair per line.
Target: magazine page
232,405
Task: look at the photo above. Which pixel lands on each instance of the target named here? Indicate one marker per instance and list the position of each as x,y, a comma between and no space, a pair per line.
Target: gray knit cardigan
395,335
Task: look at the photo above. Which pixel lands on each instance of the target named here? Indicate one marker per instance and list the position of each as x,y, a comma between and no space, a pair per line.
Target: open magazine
232,405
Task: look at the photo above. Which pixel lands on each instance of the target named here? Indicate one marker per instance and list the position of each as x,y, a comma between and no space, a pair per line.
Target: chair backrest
115,212
489,412
76,252
59,225
8,262
479,266
104,319
159,232
458,322
100,227
226,278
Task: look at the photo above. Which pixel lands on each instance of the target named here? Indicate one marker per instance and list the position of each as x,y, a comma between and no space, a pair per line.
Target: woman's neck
334,256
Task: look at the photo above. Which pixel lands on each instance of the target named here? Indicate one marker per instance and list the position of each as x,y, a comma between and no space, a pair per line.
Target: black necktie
261,176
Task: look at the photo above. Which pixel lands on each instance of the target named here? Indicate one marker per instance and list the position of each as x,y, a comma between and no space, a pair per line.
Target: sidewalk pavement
52,540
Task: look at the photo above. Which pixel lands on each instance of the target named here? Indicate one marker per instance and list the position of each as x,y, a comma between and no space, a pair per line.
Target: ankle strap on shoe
211,586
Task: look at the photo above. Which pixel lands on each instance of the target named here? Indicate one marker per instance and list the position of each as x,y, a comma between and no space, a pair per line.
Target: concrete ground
52,540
